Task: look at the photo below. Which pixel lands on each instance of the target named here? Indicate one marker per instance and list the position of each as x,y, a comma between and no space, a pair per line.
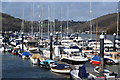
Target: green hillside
106,23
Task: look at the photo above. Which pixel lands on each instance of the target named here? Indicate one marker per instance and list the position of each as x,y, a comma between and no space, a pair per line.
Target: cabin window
51,62
118,55
111,55
45,62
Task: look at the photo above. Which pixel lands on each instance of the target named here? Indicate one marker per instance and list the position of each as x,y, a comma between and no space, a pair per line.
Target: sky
77,11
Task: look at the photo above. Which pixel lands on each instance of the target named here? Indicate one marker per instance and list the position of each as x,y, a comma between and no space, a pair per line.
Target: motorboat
96,44
74,58
109,58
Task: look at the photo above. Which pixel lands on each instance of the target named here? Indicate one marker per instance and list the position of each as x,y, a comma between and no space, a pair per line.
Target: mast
41,23
32,19
117,20
90,20
22,25
51,25
61,22
67,20
48,22
54,21
96,36
39,27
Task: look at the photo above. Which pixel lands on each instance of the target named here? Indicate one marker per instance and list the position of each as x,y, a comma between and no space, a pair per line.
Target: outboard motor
82,72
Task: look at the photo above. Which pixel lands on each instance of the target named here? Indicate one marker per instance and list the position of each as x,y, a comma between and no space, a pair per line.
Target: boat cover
96,58
82,72
26,53
61,66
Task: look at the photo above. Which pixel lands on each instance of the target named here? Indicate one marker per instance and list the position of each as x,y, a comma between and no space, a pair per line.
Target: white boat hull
74,75
60,70
34,61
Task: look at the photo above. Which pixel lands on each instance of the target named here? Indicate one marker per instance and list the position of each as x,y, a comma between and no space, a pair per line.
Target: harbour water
13,67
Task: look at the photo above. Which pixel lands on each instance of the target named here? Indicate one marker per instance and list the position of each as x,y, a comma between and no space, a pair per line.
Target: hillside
106,23
10,23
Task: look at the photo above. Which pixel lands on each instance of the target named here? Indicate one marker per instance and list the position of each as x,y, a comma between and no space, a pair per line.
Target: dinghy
25,55
60,68
36,59
81,74
107,73
47,63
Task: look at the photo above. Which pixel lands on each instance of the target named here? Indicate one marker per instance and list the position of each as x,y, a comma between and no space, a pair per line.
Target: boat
36,59
112,57
95,60
81,74
74,58
109,58
15,51
107,73
60,68
72,47
93,44
46,53
1,49
65,42
25,55
47,63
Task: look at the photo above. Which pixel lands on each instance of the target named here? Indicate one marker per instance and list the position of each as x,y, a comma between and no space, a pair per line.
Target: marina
57,42
12,64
